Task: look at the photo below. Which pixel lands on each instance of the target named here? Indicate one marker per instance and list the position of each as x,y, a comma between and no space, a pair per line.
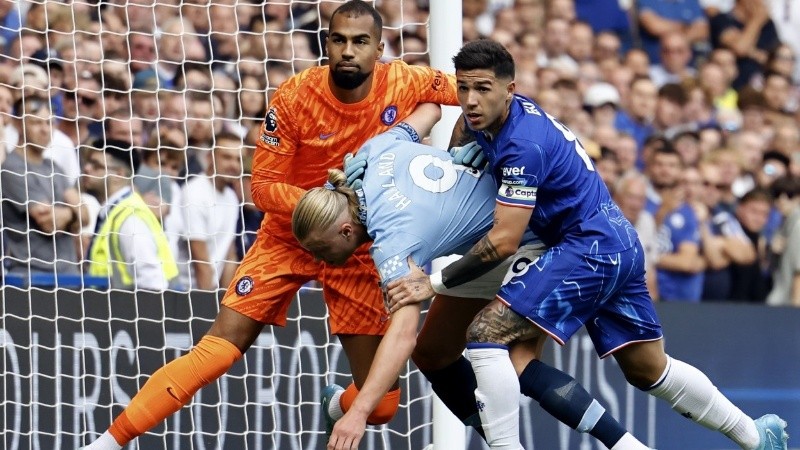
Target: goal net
164,77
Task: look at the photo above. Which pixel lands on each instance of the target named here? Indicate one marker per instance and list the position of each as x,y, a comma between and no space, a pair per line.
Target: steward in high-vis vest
129,246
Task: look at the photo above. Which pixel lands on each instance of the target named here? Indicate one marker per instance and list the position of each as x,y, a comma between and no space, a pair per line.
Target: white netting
171,80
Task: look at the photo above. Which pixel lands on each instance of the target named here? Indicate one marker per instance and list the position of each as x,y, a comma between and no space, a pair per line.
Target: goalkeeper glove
470,155
354,169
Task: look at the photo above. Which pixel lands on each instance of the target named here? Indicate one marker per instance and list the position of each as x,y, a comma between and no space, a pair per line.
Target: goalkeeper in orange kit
314,119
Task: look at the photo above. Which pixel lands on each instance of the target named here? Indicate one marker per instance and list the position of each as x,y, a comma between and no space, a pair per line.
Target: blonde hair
319,208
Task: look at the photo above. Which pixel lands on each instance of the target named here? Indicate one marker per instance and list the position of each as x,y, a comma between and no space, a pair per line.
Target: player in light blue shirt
592,274
417,204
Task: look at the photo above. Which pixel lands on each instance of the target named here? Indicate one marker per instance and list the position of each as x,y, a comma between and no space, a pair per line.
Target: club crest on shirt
389,115
245,285
271,121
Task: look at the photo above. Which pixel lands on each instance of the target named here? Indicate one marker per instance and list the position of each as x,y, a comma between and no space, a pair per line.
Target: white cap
600,94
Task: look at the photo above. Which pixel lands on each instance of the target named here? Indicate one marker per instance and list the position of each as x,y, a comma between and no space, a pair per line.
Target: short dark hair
673,92
788,185
358,8
485,54
756,194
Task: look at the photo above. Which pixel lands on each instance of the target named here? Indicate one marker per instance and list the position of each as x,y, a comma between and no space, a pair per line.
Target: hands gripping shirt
416,202
537,162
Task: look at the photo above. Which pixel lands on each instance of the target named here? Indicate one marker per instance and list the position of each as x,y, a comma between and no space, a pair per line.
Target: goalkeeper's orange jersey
307,130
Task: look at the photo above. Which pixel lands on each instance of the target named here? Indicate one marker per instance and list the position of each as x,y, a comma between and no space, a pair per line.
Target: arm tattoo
481,258
485,250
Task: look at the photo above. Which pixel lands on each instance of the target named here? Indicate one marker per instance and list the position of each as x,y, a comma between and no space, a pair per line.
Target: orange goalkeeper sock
382,414
173,385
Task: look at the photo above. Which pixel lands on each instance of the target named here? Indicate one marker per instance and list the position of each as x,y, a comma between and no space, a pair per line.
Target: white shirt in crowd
211,216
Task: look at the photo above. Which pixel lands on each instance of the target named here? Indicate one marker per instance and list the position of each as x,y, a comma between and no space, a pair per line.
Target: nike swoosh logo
172,394
326,135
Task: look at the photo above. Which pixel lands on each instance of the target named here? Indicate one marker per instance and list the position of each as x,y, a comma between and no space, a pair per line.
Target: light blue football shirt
419,203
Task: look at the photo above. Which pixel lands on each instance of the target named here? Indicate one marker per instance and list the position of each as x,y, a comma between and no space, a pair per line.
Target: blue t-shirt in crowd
683,11
679,226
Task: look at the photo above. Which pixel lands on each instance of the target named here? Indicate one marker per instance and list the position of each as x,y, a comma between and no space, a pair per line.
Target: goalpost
74,355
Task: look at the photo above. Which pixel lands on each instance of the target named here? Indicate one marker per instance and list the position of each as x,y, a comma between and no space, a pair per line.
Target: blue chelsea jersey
419,204
538,163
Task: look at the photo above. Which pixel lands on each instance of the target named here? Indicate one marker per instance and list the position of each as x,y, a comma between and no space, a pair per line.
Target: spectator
753,108
679,270
751,147
686,142
581,42
786,18
40,207
699,109
659,18
786,244
629,193
777,96
676,56
555,42
602,100
773,165
129,246
211,212
669,108
752,282
723,240
153,179
142,48
747,31
730,166
637,119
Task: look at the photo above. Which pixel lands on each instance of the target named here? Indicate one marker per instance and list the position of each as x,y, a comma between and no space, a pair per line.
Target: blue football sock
566,400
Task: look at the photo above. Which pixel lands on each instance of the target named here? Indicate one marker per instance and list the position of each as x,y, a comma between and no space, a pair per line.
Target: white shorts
487,285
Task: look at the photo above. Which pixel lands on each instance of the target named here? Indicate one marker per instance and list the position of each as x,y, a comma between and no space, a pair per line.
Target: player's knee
386,409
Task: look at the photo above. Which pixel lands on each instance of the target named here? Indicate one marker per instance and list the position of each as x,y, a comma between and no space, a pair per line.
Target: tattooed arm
501,242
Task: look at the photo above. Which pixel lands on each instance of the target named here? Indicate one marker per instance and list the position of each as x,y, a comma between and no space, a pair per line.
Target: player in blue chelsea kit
592,274
417,205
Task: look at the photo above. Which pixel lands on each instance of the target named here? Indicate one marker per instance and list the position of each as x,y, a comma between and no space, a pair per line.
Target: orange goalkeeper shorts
274,269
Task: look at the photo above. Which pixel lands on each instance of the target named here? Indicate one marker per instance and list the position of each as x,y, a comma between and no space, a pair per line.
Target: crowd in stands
690,111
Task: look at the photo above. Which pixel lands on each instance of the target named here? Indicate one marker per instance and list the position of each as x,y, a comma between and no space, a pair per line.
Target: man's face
353,47
631,199
228,159
753,214
36,127
484,98
332,245
644,97
665,170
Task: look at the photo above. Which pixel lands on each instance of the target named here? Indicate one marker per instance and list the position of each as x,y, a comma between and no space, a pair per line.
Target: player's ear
346,230
510,88
379,52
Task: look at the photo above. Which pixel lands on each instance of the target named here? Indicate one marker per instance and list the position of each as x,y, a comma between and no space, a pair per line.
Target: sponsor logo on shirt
526,193
271,121
270,140
389,115
438,81
513,171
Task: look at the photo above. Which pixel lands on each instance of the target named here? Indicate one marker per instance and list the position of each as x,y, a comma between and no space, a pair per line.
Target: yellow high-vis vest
105,255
